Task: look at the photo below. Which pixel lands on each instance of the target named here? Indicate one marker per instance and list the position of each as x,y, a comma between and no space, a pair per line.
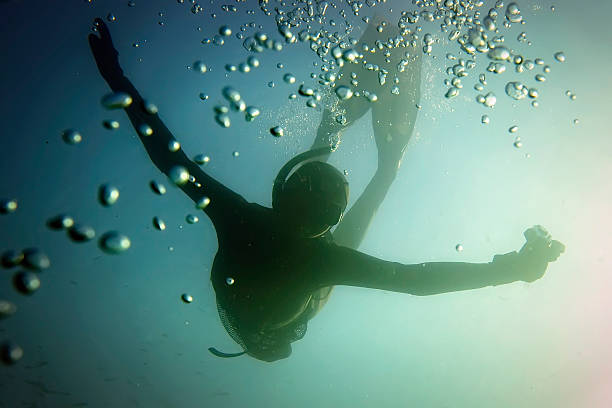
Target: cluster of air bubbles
237,104
244,67
117,100
516,90
570,95
260,42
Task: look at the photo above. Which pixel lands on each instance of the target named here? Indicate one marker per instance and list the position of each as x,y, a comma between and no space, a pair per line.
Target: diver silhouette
274,266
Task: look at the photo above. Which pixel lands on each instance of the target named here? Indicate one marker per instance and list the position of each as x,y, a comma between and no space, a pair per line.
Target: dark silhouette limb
223,201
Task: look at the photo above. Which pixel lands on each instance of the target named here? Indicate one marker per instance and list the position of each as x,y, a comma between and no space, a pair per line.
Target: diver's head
312,199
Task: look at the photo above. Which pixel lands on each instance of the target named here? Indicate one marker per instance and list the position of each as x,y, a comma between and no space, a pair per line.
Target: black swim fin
221,354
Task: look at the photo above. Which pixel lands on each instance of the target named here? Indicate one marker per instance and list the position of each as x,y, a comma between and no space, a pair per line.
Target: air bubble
225,31
157,187
230,281
560,56
12,258
223,120
113,242
26,282
459,248
344,92
8,206
81,233
191,219
516,90
202,203
201,159
145,130
289,78
7,309
72,136
513,129
60,222
251,113
490,99
179,175
174,146
186,298
111,124
159,224
35,259
117,100
277,131
11,353
108,195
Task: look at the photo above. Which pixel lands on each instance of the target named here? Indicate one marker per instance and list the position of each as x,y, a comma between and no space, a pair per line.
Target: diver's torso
260,274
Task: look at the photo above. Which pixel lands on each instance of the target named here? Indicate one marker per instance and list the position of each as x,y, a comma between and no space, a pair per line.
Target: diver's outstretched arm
222,199
349,267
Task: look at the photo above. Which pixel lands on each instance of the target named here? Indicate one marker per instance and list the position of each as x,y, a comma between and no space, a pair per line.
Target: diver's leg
393,119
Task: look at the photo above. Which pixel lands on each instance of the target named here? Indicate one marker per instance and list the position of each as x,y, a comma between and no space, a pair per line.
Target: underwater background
112,330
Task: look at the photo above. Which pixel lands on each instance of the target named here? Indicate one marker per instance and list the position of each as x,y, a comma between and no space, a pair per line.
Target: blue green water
112,331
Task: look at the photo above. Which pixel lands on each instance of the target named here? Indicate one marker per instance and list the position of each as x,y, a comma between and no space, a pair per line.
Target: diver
272,263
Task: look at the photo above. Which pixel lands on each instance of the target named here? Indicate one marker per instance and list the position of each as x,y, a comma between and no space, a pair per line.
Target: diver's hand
104,52
537,253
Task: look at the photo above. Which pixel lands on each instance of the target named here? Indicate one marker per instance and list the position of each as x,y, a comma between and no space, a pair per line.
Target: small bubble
231,68
111,17
253,62
513,129
157,187
8,206
200,67
485,120
223,120
159,224
202,203
81,233
459,248
244,68
111,124
203,96
230,281
7,309
35,259
60,222
179,175
231,94
186,298
271,84
251,113
201,159
108,195
12,258
72,136
116,100
452,92
11,353
225,31
560,56
277,131
174,146
191,219
344,92
113,242
576,121
289,78
150,107
490,99
235,153
540,78
535,104
26,282
145,130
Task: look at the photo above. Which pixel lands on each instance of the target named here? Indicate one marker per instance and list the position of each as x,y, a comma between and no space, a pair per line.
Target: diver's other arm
353,268
153,134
